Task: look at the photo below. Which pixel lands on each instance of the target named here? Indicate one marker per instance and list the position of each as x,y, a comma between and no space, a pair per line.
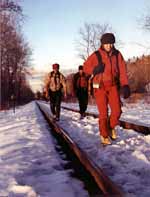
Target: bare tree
144,21
89,38
13,10
147,23
14,53
9,5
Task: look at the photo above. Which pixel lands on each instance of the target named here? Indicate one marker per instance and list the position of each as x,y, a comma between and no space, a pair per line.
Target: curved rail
103,181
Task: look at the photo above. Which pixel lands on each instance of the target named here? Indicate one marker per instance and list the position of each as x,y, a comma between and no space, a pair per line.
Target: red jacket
111,70
80,81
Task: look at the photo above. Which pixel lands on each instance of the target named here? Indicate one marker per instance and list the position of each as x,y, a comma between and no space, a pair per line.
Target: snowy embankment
127,160
137,113
29,164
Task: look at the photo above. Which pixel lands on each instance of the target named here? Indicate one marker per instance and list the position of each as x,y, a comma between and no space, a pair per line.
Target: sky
31,166
52,27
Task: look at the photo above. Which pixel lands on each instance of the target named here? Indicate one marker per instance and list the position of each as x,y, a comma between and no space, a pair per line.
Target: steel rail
127,125
106,185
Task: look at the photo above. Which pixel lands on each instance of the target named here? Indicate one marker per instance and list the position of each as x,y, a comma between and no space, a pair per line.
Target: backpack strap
117,61
117,80
52,74
99,68
99,57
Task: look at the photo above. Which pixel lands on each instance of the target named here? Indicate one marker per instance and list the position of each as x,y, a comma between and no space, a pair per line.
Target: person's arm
123,76
90,64
47,89
122,70
63,82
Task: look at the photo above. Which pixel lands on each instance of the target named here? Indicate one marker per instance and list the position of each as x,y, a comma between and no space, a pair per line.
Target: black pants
82,95
55,101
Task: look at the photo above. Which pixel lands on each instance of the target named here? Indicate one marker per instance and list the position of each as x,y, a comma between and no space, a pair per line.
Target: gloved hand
98,69
126,91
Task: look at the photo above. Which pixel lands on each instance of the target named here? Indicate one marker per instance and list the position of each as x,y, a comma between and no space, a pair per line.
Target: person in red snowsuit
106,76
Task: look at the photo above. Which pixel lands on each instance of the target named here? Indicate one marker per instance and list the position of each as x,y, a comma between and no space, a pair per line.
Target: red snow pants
108,96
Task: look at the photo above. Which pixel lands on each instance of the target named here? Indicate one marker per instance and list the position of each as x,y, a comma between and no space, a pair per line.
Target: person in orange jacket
108,71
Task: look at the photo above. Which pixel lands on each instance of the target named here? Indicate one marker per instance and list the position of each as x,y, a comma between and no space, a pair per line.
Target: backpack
52,73
57,79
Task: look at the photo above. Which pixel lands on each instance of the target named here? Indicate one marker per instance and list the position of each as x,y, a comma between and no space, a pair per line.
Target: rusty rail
102,180
127,125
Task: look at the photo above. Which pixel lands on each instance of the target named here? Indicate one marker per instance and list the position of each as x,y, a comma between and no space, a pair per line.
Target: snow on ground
138,113
127,160
29,164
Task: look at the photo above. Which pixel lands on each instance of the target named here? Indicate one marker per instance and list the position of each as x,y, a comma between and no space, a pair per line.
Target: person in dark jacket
108,72
55,82
80,83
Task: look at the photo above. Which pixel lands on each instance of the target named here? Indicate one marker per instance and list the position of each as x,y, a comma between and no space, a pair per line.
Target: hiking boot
84,115
113,134
105,140
81,117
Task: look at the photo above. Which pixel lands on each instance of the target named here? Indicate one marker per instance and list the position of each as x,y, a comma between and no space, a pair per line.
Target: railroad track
98,177
127,125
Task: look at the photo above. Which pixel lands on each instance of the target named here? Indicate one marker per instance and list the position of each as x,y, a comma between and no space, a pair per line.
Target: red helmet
55,66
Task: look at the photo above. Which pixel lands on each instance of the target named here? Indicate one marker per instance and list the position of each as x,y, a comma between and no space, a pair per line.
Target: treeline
139,74
14,56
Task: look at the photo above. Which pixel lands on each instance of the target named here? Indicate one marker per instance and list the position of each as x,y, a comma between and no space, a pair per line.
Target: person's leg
52,102
58,103
85,101
80,105
102,102
115,106
79,97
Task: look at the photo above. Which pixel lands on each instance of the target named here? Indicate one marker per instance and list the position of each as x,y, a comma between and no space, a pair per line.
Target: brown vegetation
139,73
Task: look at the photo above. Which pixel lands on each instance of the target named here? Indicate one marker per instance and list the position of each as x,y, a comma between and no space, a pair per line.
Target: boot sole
106,144
113,138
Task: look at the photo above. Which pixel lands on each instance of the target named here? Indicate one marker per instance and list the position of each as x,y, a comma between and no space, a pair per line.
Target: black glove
126,91
98,69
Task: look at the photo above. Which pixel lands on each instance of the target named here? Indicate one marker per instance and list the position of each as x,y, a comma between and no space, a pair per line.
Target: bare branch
89,38
8,5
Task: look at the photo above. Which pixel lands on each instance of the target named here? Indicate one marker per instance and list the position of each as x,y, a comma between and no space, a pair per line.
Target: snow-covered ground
126,161
138,113
30,164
